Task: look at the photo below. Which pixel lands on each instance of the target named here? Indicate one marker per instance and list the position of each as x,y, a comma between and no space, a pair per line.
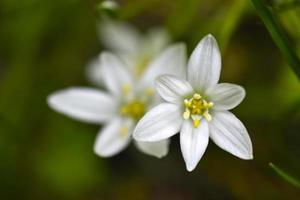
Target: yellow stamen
134,109
196,108
187,103
186,114
197,96
207,116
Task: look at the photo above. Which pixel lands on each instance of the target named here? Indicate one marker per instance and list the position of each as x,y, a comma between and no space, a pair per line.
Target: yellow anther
135,109
196,96
186,114
205,104
207,116
187,103
196,108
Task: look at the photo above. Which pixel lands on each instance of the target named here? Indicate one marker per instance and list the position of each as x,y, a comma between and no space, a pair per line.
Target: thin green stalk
278,35
285,176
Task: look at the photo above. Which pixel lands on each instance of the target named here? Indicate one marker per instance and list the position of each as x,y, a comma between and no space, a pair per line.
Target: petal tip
250,157
52,99
210,39
100,153
246,156
160,156
163,154
209,36
190,167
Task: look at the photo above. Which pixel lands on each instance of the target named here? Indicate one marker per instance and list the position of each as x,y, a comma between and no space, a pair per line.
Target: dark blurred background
45,46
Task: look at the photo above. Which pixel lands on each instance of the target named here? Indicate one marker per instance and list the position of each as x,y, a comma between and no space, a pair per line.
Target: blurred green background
45,46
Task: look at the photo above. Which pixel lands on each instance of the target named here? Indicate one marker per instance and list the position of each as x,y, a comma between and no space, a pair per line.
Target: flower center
134,109
196,108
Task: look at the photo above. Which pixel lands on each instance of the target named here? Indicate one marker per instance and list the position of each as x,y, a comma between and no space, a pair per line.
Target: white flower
125,103
133,47
198,109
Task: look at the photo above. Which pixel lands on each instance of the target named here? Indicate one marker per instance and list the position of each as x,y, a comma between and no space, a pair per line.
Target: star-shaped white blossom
198,109
126,101
136,49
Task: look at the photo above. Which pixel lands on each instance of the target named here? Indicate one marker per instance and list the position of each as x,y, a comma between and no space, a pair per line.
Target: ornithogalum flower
198,109
129,97
127,42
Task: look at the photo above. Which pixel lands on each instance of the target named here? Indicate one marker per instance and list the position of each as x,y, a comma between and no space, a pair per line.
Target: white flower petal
171,61
94,72
229,133
113,138
155,41
115,73
130,60
120,37
225,96
172,88
161,122
204,65
158,149
84,104
193,142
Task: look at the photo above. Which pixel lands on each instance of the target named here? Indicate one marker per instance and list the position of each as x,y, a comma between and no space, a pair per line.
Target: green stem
285,176
278,35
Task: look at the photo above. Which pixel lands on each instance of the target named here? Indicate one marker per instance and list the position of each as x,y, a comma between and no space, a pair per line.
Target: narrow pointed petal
229,133
88,105
193,142
204,65
115,73
113,138
161,122
172,88
94,72
171,61
120,37
158,149
225,96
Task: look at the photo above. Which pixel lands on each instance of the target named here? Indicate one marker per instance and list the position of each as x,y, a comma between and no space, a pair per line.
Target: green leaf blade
293,181
278,35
